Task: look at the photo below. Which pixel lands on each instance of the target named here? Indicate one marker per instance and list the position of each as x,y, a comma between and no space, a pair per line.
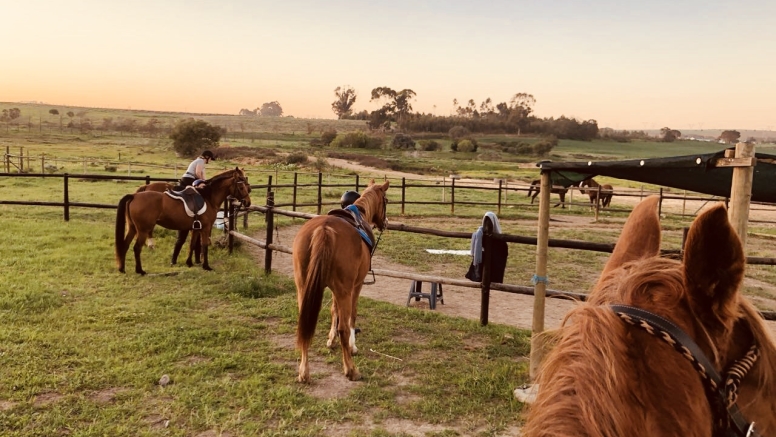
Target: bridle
722,395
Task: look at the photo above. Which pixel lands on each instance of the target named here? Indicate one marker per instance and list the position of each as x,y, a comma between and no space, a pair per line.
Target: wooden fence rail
485,285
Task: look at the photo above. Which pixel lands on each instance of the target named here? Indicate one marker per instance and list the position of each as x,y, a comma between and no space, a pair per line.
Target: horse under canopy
138,214
330,252
606,192
608,378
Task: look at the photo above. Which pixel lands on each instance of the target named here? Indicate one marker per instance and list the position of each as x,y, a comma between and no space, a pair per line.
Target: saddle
353,217
193,203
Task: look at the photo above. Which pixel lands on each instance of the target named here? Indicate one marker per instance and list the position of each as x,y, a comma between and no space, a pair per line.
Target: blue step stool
416,291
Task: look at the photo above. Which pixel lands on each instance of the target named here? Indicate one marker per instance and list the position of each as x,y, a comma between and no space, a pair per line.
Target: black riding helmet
348,198
208,154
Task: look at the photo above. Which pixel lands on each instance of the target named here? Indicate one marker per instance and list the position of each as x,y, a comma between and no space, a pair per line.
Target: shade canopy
698,173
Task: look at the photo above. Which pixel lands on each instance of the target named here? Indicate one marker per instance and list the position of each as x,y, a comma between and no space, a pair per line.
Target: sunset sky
627,64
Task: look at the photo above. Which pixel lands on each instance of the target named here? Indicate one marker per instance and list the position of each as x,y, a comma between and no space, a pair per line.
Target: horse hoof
208,268
304,379
140,272
355,375
189,264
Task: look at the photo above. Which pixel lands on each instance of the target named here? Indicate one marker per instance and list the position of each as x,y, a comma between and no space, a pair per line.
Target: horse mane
371,202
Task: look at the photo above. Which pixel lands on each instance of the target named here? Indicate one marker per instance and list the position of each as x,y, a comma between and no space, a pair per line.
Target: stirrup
373,278
197,225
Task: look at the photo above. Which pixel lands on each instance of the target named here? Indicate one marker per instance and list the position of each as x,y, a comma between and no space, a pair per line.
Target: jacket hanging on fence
498,257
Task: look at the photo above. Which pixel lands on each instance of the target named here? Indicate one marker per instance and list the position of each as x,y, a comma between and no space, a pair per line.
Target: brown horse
560,191
607,191
617,370
161,187
329,252
138,214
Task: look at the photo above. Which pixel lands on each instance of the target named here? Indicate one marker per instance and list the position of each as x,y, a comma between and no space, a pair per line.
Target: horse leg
204,240
150,241
346,332
123,253
195,237
354,312
137,248
333,330
178,245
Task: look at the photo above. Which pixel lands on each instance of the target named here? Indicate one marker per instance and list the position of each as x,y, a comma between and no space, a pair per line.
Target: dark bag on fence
474,273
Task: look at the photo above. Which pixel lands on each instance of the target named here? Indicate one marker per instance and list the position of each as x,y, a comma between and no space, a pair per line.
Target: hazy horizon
690,65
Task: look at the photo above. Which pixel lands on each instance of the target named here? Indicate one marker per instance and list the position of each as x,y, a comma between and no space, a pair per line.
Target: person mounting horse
560,191
335,251
138,214
196,170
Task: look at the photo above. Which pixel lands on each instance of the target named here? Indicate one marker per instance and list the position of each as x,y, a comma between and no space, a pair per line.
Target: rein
721,395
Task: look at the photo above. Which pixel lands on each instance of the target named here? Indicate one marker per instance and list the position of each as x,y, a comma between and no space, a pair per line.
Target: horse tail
312,293
121,224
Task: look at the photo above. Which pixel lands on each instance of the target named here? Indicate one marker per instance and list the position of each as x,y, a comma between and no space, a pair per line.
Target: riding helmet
208,154
348,198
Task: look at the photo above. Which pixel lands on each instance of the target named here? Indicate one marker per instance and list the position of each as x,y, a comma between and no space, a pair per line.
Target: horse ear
371,182
385,185
714,264
640,237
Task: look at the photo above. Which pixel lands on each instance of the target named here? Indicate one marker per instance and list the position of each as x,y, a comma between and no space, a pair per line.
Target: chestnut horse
138,214
639,357
195,246
329,252
560,191
607,191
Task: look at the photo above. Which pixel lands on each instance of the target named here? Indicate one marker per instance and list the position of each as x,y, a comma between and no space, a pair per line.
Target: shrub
328,136
50,168
357,139
190,137
545,146
428,145
466,146
402,141
458,132
111,168
296,158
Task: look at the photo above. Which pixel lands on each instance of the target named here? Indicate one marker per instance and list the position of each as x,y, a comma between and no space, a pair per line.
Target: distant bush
190,137
403,142
111,168
545,146
357,139
516,147
458,132
328,136
428,145
466,146
296,158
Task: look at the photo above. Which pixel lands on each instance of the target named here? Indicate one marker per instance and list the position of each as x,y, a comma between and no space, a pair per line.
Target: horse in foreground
643,356
607,191
138,214
536,186
330,252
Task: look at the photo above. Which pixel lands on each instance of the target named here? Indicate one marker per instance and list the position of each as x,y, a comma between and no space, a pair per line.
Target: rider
196,170
348,198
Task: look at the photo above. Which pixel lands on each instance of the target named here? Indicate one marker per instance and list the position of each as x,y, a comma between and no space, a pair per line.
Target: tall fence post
21,159
230,214
67,199
42,163
148,179
403,188
500,182
741,191
293,195
487,256
452,196
270,226
7,160
540,277
660,203
320,197
358,185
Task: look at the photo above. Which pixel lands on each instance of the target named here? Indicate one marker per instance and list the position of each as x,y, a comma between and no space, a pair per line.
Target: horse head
240,188
374,202
617,371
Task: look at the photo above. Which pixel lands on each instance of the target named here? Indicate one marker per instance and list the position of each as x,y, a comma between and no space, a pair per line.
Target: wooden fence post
452,196
67,199
21,159
232,223
320,197
270,226
403,187
660,203
7,160
540,277
42,163
487,256
500,182
358,185
597,202
741,192
293,196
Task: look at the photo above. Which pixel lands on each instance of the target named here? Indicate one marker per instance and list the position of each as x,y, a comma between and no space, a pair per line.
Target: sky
685,64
